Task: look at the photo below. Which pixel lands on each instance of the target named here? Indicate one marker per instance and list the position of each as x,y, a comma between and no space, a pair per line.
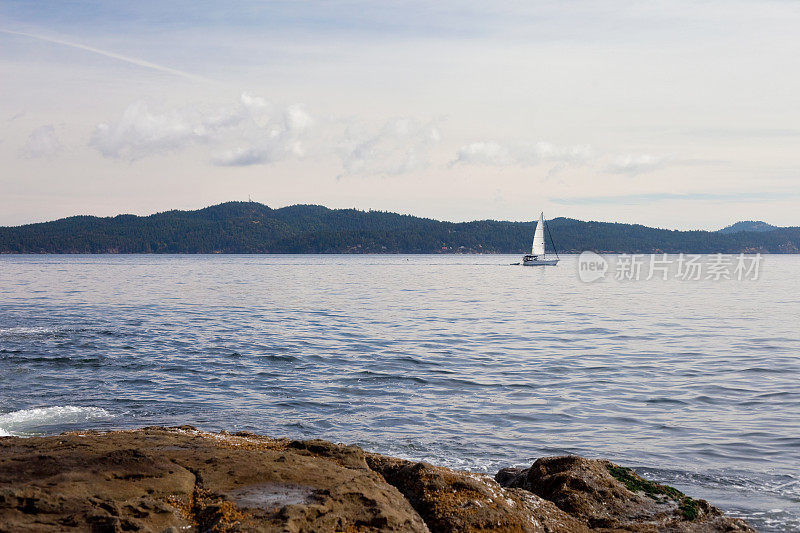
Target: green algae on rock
636,483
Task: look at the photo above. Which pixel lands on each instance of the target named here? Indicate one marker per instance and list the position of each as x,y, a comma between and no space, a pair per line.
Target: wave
24,421
21,331
36,332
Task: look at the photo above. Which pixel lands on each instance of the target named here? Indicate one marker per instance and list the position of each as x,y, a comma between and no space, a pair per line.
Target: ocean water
463,361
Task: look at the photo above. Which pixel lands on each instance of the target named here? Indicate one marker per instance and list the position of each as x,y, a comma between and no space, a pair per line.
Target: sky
680,114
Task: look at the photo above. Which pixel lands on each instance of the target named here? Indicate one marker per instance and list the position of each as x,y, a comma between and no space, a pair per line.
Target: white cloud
141,132
633,164
531,154
484,153
42,142
399,146
249,132
521,154
263,136
252,131
255,132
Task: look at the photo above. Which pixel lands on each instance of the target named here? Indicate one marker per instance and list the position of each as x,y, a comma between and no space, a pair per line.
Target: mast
552,241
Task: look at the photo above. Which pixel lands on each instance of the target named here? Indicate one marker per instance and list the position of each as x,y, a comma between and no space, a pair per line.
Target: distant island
251,227
748,225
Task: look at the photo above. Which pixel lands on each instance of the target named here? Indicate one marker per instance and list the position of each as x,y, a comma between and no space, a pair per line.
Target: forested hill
250,227
748,225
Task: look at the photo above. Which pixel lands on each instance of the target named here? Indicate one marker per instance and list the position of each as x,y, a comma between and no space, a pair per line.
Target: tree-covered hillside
250,227
748,225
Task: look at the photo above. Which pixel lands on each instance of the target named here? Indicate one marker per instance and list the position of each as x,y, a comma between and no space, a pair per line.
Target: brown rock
608,497
452,501
181,479
156,478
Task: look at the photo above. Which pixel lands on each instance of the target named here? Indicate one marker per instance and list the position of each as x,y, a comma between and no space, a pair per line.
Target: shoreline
170,479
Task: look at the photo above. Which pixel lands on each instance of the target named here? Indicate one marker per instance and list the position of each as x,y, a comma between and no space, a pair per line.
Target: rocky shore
181,479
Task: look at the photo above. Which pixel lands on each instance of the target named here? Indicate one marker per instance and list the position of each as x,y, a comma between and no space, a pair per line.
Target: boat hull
541,262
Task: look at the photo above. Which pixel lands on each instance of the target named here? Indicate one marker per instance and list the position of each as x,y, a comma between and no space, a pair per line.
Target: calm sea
462,361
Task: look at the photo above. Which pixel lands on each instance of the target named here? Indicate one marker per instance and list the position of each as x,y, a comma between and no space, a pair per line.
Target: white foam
21,331
26,420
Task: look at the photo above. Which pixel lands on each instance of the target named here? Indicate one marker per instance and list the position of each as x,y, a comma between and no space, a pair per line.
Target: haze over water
462,361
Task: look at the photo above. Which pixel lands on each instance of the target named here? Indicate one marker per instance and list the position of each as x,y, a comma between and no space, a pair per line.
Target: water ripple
454,360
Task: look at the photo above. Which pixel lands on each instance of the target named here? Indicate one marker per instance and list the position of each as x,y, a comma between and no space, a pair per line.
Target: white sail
538,237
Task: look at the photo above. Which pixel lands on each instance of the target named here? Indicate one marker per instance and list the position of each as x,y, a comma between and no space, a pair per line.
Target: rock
181,479
156,478
608,497
450,501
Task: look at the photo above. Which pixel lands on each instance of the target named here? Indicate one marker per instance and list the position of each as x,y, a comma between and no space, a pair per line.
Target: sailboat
537,256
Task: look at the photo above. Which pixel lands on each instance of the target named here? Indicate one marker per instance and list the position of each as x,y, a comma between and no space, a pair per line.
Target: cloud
399,146
248,132
264,137
42,143
521,154
636,164
141,132
15,116
252,131
484,153
530,154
